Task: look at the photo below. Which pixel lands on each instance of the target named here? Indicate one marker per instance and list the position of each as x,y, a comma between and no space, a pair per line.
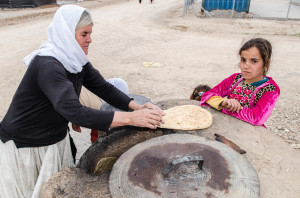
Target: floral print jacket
257,101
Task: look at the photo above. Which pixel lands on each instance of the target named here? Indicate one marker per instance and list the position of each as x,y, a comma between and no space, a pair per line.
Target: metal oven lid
182,165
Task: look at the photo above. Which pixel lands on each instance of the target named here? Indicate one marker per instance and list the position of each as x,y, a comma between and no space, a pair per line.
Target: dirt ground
189,50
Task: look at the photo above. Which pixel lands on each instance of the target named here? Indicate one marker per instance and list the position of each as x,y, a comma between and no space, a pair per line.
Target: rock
74,182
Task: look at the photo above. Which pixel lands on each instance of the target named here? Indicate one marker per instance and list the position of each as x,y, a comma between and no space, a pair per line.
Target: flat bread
187,117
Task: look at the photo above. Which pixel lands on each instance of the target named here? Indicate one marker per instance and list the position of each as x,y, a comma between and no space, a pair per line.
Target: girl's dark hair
265,49
198,91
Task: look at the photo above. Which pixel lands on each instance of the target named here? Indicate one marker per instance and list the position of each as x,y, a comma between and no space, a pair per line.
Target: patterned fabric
235,80
263,90
243,91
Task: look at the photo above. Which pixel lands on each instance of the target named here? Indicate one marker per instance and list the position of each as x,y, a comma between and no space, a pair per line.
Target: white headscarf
62,44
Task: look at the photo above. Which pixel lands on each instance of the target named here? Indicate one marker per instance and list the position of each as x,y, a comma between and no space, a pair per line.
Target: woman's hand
150,117
232,105
147,115
149,105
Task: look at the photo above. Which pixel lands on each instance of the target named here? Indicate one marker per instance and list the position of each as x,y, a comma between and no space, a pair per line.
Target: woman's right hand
232,105
150,118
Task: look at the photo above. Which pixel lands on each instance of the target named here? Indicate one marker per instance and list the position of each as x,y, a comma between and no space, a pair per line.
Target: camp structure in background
237,5
24,3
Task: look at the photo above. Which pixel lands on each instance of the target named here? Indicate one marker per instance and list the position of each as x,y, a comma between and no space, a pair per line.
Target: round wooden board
225,173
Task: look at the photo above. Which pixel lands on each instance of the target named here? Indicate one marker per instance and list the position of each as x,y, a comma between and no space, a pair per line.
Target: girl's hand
232,105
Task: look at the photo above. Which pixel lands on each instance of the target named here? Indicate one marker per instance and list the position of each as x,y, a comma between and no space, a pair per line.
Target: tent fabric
24,3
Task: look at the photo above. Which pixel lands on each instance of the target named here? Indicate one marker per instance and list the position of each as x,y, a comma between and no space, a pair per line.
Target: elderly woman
34,132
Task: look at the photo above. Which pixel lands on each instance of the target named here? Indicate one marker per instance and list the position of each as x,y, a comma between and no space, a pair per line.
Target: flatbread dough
187,117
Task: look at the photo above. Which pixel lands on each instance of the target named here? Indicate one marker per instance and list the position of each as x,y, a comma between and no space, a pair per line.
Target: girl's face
251,65
83,37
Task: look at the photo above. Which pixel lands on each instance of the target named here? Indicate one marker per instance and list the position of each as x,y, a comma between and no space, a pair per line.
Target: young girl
249,95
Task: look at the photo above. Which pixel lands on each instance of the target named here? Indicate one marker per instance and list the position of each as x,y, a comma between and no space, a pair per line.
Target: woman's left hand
149,105
135,106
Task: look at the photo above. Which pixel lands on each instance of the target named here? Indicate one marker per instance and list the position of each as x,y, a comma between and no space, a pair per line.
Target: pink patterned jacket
260,104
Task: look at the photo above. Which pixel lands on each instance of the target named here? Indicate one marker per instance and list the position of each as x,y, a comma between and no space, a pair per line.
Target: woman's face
251,65
83,37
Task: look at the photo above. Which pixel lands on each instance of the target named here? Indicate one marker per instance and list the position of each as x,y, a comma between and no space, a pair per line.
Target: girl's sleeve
258,114
220,90
215,102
